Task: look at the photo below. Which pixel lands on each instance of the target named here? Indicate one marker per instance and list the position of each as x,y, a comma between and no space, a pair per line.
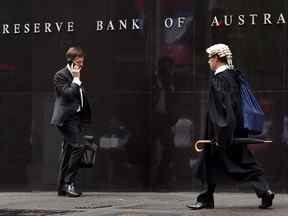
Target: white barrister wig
221,50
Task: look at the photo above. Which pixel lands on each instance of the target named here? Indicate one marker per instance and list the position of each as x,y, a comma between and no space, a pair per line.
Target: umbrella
236,141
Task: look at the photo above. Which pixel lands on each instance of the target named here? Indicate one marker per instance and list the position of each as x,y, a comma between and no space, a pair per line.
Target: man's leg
72,133
63,166
204,199
263,191
73,165
207,195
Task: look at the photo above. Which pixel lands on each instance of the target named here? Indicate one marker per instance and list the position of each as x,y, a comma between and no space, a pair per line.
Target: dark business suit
68,119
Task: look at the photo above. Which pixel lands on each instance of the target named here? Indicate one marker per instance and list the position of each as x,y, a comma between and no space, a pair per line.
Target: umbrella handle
199,142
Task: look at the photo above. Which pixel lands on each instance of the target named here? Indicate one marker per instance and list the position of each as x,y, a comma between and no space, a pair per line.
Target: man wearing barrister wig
224,123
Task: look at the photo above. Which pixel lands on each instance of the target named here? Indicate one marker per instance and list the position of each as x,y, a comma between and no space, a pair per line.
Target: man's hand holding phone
75,70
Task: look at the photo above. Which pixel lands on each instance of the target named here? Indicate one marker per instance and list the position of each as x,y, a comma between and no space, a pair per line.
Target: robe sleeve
221,111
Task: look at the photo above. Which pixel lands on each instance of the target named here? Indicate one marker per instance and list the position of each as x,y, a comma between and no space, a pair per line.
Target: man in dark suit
71,110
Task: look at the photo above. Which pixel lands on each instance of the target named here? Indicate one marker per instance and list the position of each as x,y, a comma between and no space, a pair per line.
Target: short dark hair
74,52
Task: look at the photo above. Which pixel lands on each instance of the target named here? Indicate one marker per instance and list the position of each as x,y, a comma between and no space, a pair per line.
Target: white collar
221,69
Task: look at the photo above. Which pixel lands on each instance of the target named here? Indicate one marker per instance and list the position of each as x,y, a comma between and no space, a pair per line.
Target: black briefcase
89,152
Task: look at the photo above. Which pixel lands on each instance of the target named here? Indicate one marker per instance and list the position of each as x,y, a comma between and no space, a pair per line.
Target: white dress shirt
77,81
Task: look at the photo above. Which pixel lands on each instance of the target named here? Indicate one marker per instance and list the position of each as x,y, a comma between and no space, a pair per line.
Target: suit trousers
71,153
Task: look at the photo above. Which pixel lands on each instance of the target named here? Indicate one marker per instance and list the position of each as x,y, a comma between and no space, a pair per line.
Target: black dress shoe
201,205
70,191
267,200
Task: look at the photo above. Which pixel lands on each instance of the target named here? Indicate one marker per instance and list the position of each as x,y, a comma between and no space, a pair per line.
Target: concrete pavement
134,204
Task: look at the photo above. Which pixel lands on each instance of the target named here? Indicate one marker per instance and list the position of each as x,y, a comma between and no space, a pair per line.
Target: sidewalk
134,204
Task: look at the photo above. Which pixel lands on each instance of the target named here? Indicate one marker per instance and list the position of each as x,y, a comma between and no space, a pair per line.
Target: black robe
224,122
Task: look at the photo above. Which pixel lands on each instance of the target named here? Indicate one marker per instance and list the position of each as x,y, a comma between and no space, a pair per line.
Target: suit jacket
68,99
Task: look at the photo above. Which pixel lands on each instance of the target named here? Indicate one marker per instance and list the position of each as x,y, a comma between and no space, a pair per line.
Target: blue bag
253,115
